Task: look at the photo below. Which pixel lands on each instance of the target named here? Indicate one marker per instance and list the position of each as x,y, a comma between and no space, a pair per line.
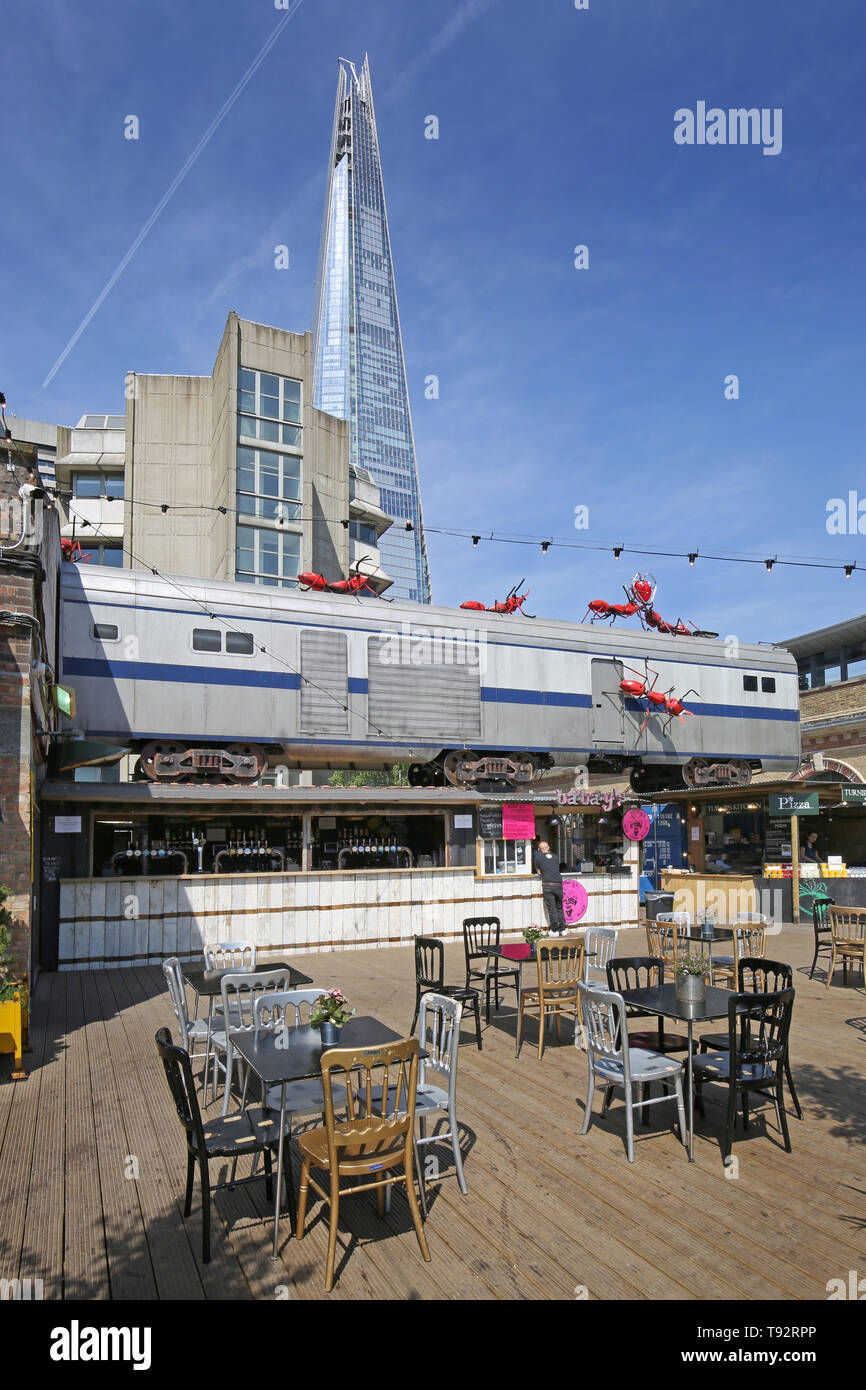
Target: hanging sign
635,824
854,794
794,804
518,820
574,901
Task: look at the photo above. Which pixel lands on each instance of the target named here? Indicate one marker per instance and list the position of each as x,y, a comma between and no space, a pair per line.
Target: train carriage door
607,704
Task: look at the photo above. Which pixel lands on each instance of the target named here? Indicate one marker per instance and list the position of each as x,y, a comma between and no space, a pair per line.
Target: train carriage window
239,643
768,685
205,639
750,682
106,632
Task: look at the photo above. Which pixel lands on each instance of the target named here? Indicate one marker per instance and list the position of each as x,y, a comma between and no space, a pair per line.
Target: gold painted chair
663,942
847,942
376,1138
560,971
750,943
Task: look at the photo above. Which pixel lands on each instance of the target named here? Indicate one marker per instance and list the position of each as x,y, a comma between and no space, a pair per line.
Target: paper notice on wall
696,832
463,822
518,820
67,825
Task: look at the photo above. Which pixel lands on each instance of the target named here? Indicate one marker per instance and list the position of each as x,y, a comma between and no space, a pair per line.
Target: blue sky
558,387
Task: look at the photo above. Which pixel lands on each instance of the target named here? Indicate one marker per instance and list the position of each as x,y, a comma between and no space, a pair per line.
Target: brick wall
848,697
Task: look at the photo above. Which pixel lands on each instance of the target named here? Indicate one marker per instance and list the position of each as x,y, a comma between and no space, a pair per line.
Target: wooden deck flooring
92,1164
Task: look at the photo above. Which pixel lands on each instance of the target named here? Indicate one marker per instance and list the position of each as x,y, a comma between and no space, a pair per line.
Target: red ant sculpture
71,551
639,595
656,699
357,583
513,603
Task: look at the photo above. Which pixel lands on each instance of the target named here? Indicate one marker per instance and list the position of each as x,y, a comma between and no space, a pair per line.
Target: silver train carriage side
324,681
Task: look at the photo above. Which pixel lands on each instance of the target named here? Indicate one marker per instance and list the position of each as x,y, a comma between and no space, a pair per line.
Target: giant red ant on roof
639,600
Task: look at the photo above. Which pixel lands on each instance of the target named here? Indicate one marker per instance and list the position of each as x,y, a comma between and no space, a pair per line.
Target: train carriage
218,679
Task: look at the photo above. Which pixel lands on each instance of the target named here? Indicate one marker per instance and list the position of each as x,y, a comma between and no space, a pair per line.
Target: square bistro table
295,1054
663,1001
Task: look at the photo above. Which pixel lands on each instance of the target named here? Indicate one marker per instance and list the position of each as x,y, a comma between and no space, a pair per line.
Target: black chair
479,932
251,1131
429,979
644,972
754,1061
758,976
822,928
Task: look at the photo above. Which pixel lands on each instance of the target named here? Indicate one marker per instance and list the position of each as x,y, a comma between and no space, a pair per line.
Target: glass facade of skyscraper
360,374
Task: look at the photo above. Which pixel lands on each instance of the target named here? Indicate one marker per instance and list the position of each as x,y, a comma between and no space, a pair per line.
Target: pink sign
518,820
635,824
574,901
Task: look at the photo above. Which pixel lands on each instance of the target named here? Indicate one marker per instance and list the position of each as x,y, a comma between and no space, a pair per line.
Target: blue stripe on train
505,695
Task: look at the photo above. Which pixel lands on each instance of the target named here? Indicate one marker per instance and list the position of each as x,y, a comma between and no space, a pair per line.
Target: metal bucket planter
691,989
330,1034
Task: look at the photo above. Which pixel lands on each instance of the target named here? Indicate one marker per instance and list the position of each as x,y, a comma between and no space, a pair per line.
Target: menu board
777,838
518,820
490,822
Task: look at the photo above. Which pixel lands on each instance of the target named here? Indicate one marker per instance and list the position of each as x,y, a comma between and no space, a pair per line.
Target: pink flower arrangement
331,1007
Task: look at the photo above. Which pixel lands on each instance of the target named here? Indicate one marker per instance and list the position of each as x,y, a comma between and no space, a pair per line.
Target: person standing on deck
546,865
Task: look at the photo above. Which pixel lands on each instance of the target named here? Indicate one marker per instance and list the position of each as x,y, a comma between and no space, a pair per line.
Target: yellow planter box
12,1032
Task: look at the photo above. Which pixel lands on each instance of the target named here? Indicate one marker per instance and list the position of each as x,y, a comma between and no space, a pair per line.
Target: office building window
269,396
102,555
269,485
94,485
361,531
266,556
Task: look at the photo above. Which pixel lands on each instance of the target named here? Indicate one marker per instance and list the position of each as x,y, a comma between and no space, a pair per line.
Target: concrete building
832,665
238,476
89,472
44,437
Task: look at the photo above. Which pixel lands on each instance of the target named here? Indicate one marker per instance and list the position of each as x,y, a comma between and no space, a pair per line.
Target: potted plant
692,979
13,994
329,1012
532,933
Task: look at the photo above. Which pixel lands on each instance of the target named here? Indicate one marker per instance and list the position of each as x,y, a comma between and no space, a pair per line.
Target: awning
90,461
86,752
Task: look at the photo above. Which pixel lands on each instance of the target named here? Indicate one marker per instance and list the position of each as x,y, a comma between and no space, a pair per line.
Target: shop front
772,849
137,872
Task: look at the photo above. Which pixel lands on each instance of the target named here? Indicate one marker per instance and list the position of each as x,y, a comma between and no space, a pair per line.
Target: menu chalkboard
490,822
777,838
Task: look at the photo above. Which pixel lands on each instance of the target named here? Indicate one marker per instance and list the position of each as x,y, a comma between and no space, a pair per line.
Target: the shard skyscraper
360,374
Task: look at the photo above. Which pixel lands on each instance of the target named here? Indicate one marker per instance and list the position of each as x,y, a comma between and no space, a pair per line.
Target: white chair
191,1031
230,955
614,1065
601,941
240,991
289,1008
681,920
439,1036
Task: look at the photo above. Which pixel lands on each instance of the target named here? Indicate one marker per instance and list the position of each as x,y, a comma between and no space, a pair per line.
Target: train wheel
421,775
252,755
453,763
154,750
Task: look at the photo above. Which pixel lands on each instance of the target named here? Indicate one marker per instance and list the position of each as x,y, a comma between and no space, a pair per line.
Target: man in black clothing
547,866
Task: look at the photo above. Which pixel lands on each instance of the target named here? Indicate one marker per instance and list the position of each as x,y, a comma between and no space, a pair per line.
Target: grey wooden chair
239,992
615,1065
289,1008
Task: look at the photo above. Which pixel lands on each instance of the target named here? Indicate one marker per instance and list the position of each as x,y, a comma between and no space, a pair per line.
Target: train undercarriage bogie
695,774
169,760
491,771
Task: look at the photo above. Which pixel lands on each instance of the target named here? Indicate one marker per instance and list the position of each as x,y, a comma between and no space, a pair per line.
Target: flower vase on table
329,1012
692,979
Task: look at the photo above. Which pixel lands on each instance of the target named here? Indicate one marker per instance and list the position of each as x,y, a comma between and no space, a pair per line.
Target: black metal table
208,983
496,953
295,1054
664,1002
